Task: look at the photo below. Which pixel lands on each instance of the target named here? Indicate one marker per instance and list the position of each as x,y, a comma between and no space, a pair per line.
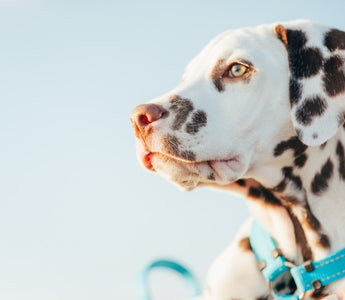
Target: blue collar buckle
287,281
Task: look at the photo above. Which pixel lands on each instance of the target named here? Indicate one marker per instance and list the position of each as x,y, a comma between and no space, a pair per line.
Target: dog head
248,90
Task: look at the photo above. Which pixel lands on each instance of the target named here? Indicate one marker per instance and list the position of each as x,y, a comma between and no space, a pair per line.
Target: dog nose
145,114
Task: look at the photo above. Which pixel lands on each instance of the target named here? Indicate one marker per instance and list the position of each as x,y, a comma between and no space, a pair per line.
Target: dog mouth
222,171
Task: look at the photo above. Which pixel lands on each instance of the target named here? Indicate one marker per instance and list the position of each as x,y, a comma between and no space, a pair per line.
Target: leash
143,287
312,275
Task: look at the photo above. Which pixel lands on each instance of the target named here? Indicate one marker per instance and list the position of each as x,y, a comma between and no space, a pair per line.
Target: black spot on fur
313,222
211,177
262,193
334,78
241,182
300,237
296,39
295,91
311,107
341,157
293,143
287,172
182,109
171,144
300,160
304,62
335,39
324,241
219,84
281,186
188,155
315,225
254,192
320,181
269,197
199,120
288,175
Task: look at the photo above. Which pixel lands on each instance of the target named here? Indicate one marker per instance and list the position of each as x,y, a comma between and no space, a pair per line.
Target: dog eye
237,70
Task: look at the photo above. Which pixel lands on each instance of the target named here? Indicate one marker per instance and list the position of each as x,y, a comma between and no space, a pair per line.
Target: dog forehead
243,43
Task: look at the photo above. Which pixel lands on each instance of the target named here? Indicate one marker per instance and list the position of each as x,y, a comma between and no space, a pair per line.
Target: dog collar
312,275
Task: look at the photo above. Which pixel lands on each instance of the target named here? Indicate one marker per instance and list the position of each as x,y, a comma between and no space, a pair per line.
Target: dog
261,111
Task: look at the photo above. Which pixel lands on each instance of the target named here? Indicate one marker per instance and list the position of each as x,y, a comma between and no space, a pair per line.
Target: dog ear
316,57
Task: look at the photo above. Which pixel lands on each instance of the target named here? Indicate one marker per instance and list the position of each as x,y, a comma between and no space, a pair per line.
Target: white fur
246,121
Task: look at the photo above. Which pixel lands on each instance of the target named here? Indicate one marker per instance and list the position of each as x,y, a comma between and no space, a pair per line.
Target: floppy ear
317,81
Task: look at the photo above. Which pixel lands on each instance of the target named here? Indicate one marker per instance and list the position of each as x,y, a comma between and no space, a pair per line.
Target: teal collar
275,267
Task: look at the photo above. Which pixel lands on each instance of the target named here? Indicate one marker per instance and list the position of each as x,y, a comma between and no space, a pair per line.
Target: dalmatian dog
260,110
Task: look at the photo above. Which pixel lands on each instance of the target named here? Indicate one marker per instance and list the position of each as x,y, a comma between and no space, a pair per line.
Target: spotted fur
313,63
304,61
275,140
335,39
311,108
172,146
321,179
334,77
341,157
293,143
199,119
182,108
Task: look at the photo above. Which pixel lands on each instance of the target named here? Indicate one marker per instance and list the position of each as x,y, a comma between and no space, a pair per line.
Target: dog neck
309,183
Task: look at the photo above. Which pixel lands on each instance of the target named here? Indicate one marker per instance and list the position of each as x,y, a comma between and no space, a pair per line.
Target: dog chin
185,175
186,185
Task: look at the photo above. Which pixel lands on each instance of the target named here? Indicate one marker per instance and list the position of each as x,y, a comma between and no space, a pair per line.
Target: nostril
144,120
163,114
145,114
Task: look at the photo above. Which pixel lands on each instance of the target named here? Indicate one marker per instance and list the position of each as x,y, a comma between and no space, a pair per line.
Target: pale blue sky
78,216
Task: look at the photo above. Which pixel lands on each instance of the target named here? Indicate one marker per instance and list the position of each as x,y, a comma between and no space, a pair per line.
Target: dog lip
220,167
146,160
144,156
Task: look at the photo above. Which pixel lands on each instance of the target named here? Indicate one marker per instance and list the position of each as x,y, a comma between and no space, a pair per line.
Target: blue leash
144,292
